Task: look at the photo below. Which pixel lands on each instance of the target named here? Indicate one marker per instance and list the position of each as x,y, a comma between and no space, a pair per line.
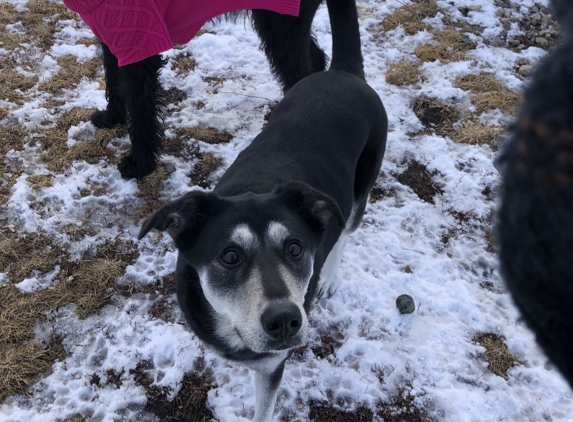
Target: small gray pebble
541,42
525,70
405,304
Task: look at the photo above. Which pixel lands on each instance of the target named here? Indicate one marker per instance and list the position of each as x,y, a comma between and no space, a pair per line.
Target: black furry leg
288,43
139,85
115,113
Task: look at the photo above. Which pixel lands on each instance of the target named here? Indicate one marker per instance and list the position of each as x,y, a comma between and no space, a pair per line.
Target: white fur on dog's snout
239,310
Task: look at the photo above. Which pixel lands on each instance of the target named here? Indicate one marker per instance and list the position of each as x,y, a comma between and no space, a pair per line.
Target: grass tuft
71,74
473,133
496,354
208,135
410,17
403,73
20,367
489,93
205,165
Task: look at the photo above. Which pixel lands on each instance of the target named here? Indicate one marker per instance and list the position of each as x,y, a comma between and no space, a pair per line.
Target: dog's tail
346,53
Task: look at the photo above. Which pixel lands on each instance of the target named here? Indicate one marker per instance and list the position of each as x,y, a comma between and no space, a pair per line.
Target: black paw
131,168
106,120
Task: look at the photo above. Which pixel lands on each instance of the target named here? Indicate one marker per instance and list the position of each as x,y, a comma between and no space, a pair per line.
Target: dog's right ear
181,215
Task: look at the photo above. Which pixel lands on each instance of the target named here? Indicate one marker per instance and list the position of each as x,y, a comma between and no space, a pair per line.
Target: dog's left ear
312,205
182,215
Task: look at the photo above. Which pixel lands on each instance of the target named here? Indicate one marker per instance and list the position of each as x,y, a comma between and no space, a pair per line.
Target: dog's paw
131,168
106,120
327,286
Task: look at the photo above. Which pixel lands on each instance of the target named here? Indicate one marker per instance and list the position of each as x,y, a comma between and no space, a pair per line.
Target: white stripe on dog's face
244,237
277,233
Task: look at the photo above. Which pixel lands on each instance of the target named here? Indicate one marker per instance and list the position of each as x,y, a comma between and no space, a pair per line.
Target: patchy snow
430,351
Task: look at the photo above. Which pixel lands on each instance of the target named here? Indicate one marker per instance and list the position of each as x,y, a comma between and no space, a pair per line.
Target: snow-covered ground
399,248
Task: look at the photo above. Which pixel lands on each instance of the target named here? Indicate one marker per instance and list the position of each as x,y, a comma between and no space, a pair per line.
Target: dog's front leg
139,85
115,113
266,389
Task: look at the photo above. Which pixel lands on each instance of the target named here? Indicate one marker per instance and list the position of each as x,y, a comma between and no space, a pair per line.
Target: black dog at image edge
256,251
535,220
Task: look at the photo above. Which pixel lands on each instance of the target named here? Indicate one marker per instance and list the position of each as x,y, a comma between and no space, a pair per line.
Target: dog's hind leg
115,113
139,85
288,43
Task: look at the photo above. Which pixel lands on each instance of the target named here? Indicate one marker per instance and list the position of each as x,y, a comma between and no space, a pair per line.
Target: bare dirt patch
420,181
496,354
402,408
190,404
324,412
436,116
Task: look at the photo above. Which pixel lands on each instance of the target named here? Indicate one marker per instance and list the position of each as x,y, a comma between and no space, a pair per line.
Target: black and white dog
133,91
255,252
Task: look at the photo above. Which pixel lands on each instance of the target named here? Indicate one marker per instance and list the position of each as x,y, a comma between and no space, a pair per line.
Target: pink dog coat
136,29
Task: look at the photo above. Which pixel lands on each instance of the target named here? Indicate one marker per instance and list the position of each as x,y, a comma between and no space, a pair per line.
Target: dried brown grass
71,74
41,19
11,42
12,137
14,84
8,14
4,111
410,17
489,93
151,185
183,64
402,73
209,135
24,254
447,46
88,41
20,367
87,284
58,156
39,181
470,132
496,354
205,165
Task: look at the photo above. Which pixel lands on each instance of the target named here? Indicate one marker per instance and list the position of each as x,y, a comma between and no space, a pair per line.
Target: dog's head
254,257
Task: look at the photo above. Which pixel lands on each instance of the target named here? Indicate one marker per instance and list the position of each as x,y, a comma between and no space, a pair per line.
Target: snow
430,351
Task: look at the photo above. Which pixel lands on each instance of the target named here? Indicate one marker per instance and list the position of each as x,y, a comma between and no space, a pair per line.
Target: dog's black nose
282,320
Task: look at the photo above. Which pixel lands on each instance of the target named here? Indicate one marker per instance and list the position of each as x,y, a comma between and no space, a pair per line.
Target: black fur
535,220
134,90
311,169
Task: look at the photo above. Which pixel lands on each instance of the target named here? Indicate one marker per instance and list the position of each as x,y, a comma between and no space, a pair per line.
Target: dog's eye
230,257
294,249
